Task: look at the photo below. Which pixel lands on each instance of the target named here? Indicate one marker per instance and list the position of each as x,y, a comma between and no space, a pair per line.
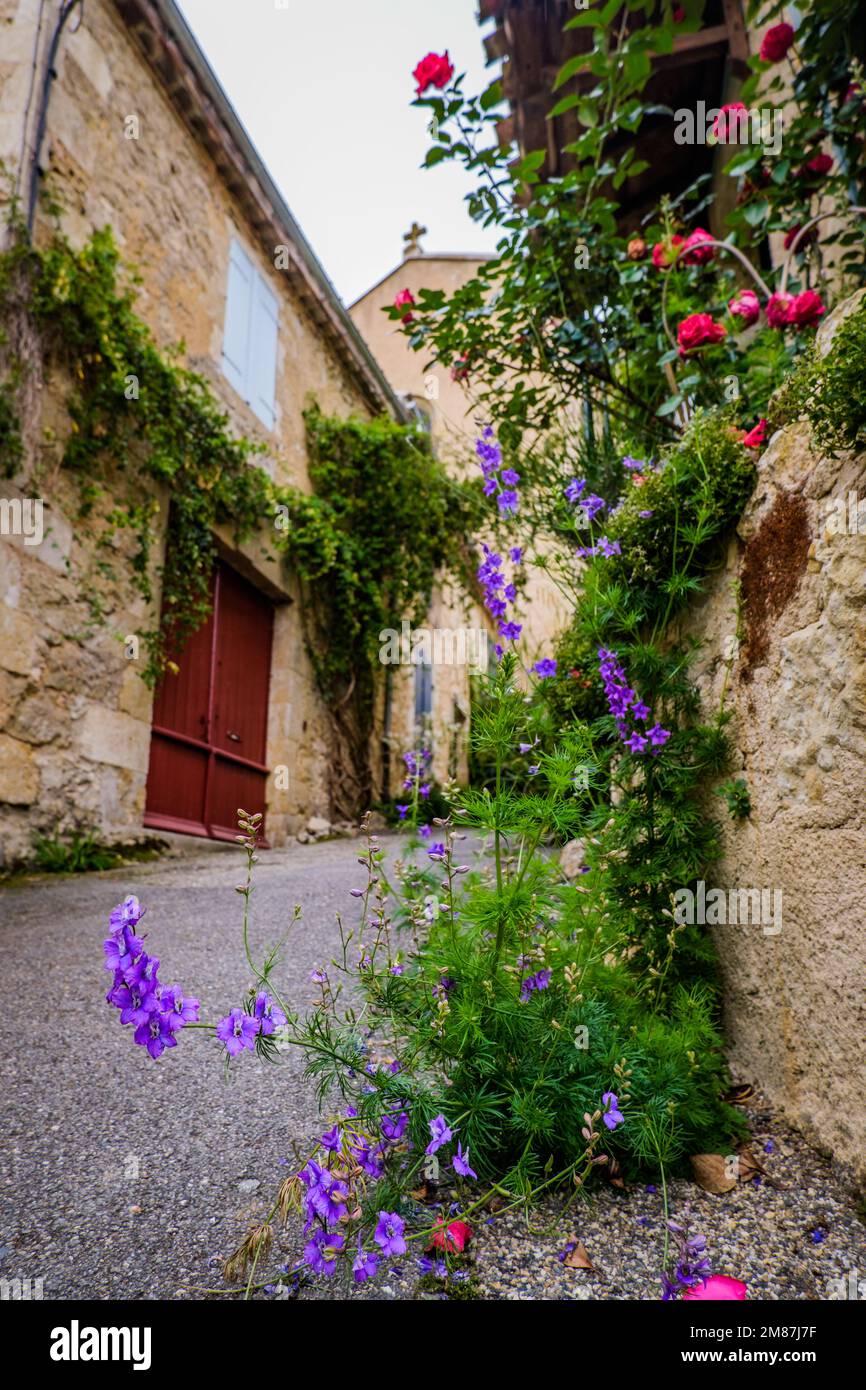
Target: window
250,336
423,692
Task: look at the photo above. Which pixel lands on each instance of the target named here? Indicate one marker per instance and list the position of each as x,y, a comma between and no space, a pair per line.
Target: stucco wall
795,1002
74,716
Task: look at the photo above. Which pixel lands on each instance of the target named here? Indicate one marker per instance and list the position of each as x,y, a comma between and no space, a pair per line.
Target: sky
323,88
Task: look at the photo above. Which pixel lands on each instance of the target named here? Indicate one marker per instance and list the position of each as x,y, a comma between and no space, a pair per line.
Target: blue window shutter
239,302
263,352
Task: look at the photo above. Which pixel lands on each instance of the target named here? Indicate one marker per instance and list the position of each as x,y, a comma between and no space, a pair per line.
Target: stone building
114,106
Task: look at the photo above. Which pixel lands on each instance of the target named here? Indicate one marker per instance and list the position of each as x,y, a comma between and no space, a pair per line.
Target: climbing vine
383,518
139,421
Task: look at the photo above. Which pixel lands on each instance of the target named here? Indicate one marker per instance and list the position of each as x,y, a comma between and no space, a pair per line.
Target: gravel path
125,1179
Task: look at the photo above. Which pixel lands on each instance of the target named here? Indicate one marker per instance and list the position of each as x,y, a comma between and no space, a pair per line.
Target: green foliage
84,852
518,1069
572,308
382,520
737,799
830,391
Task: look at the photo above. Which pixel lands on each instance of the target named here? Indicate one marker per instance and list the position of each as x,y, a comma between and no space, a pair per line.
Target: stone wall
74,714
795,1004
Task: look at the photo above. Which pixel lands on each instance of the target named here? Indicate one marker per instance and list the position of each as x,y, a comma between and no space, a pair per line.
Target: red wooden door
209,736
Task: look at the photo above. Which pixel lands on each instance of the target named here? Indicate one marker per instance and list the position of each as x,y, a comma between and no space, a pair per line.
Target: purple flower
393,1129
460,1163
121,948
545,668
332,1138
510,631
319,976
179,1010
321,1252
389,1234
127,914
608,548
136,1003
440,1134
155,1035
270,1017
238,1030
509,477
658,736
364,1265
575,489
539,981
507,502
515,555
402,810
635,465
612,1116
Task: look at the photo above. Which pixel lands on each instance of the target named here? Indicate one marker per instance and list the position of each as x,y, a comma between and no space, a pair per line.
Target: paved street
122,1177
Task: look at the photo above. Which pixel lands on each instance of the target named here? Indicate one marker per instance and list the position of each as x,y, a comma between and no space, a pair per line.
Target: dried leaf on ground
578,1258
712,1173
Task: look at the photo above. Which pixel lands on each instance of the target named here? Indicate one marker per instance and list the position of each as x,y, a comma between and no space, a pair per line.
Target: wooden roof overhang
530,40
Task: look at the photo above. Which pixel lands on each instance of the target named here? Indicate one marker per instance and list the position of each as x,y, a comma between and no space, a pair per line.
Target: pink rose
436,70
717,1287
757,437
404,301
456,1237
776,43
665,251
695,248
729,125
699,330
806,309
747,307
779,310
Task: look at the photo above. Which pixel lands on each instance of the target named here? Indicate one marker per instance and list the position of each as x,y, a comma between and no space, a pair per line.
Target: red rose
717,1287
806,309
695,249
699,330
460,368
436,70
729,125
403,301
665,251
456,1237
791,237
746,307
779,310
756,438
817,167
776,43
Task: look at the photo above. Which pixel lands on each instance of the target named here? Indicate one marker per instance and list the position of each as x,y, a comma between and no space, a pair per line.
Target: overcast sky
323,88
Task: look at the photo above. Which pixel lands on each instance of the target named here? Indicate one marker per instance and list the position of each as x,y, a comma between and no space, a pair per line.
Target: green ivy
383,518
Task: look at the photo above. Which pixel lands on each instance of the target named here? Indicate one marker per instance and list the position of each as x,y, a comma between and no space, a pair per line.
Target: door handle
230,733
